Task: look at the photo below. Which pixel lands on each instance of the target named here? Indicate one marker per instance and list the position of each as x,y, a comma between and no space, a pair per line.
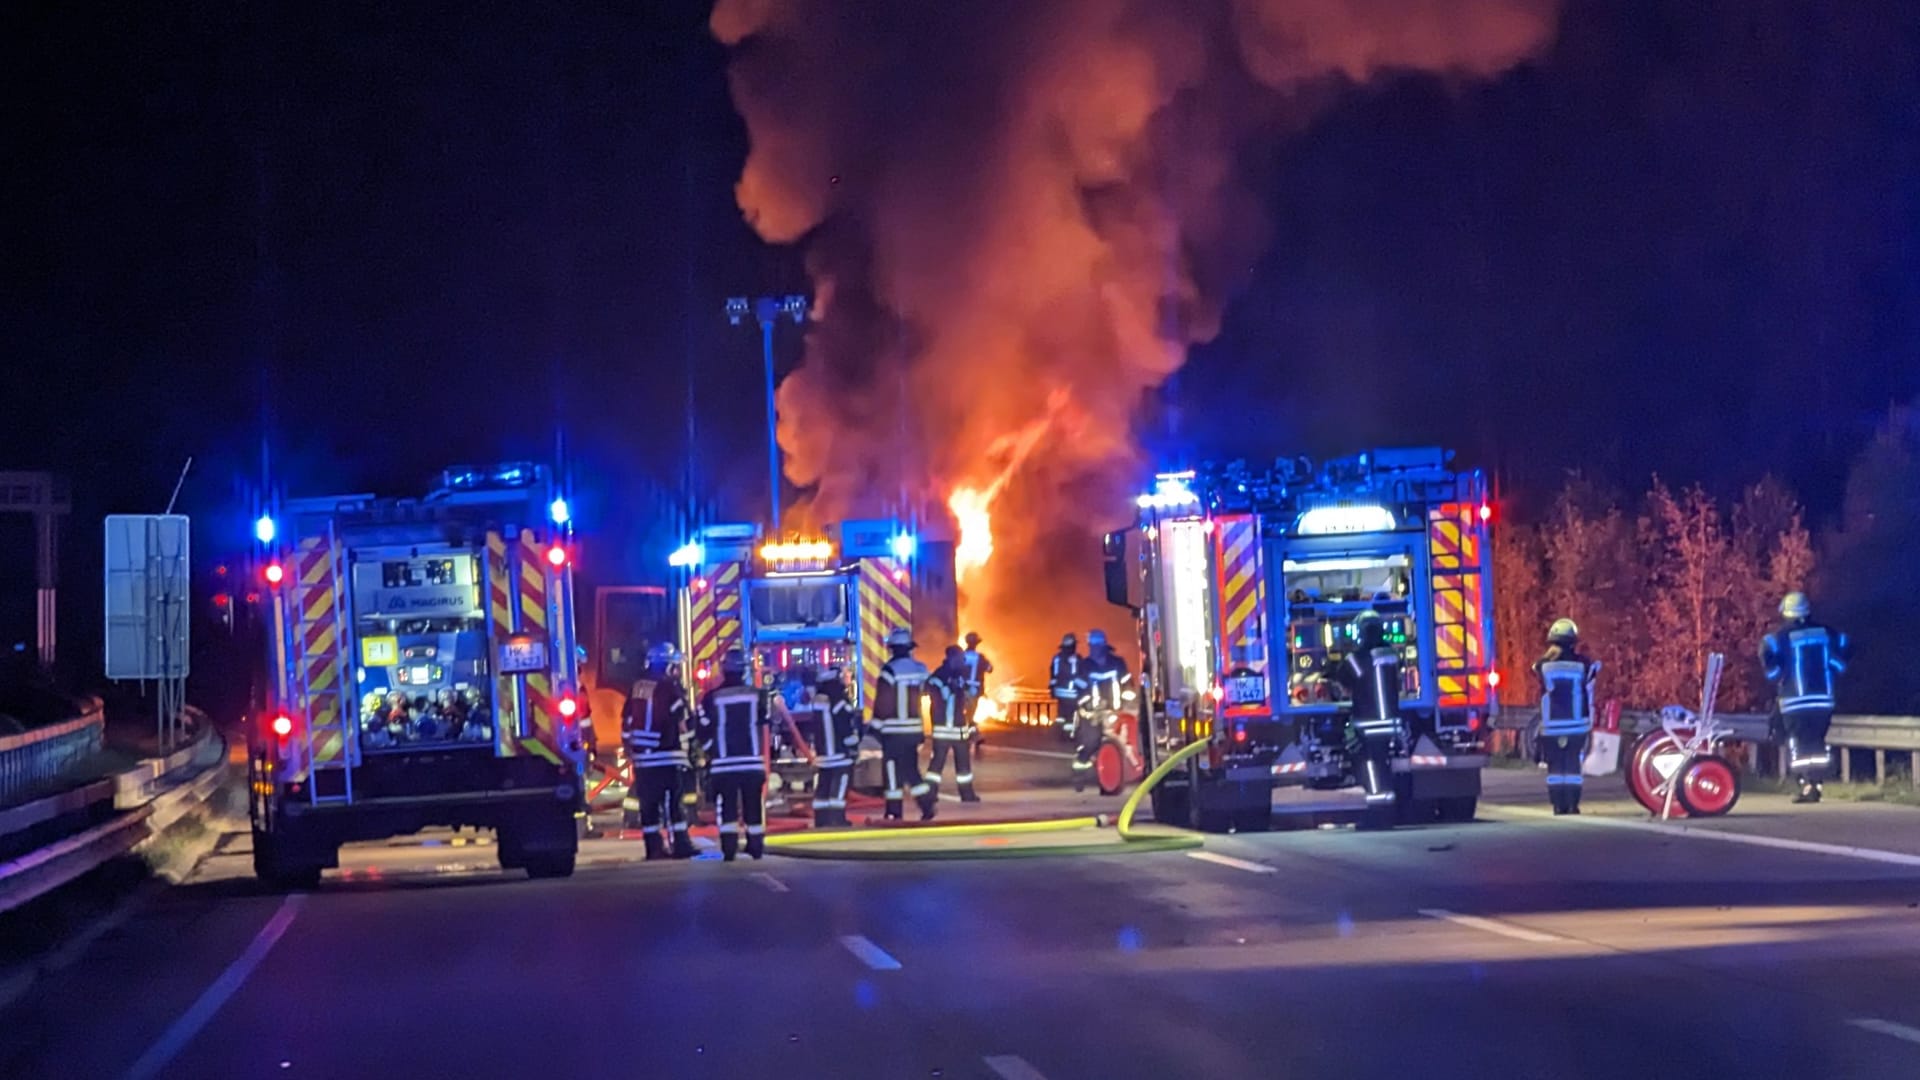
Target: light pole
767,310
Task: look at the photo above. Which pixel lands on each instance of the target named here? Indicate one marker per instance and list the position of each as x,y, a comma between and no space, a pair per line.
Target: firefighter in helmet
896,718
1106,685
1063,682
834,738
653,728
1801,658
735,720
952,724
1372,678
1566,712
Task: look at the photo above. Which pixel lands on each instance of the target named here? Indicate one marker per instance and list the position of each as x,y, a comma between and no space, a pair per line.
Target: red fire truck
1246,583
421,659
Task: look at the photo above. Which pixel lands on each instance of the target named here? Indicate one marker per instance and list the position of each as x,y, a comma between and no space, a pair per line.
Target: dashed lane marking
770,881
1228,860
870,954
1492,926
1896,858
1012,1067
1887,1027
182,1030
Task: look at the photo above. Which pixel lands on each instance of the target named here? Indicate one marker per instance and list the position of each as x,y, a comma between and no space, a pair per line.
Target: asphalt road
1517,947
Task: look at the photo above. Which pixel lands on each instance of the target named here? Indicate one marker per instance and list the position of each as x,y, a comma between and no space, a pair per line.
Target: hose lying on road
900,844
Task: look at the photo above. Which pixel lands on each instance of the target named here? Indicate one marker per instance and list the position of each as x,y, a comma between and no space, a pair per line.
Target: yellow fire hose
895,844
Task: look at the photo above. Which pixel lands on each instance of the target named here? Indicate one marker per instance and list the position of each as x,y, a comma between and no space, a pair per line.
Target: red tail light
1493,679
569,706
283,725
1486,511
701,675
557,556
275,573
1239,734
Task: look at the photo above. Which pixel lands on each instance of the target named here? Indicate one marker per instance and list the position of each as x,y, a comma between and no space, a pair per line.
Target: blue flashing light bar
904,545
264,530
687,556
560,512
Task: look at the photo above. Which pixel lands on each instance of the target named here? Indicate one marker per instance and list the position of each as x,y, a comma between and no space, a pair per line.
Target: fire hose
898,844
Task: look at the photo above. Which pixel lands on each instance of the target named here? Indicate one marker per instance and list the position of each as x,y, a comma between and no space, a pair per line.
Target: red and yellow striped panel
713,616
318,628
884,607
1458,605
1241,590
500,621
543,738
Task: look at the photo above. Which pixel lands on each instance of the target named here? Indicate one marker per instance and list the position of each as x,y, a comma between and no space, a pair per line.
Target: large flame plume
1018,215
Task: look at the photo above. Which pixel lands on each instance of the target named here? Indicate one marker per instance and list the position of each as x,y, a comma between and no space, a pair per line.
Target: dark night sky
1683,240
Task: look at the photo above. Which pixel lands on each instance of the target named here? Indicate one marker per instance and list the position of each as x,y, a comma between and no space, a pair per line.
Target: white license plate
522,656
1246,690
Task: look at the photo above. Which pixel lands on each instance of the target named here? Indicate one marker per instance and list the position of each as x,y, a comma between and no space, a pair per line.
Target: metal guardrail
39,872
31,760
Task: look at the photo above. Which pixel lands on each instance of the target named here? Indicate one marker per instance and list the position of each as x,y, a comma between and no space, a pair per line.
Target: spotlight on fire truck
796,552
687,555
1330,520
903,546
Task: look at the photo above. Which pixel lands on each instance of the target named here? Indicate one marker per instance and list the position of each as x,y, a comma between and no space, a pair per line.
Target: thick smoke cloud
1022,214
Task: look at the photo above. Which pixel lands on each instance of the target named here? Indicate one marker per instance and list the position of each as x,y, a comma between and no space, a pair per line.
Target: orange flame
973,512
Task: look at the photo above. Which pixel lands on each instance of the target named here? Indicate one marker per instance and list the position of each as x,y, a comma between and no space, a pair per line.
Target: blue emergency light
560,512
687,555
264,529
904,545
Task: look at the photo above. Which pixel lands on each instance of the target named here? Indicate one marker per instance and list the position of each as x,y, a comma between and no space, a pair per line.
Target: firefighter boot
967,794
729,845
756,845
894,811
1558,796
683,844
1573,797
1809,792
927,803
655,849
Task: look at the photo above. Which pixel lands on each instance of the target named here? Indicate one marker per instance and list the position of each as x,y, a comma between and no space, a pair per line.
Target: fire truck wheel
1109,767
1214,821
1458,808
1255,819
278,873
1411,811
1709,787
1377,818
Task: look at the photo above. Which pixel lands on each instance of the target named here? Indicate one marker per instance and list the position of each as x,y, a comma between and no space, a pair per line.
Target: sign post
147,558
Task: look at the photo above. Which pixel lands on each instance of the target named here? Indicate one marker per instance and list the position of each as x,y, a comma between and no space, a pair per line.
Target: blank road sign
147,601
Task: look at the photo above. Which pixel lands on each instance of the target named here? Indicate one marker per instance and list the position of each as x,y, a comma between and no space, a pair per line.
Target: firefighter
1106,684
896,718
1801,658
834,739
952,724
653,729
978,667
1566,712
735,719
1063,682
1371,675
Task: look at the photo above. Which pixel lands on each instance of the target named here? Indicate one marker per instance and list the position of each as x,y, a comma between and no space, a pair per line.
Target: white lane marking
1228,860
1491,926
1897,858
770,881
1012,1067
1887,1027
182,1030
870,954
1058,755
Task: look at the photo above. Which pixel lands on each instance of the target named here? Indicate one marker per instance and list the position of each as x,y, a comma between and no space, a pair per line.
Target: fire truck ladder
323,677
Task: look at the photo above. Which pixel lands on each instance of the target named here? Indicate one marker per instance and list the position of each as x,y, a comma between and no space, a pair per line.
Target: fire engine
1246,583
422,669
798,606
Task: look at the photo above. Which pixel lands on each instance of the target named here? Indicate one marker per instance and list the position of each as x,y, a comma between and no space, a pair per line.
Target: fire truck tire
557,865
1378,818
1709,787
1459,808
1256,819
1171,806
1409,811
278,873
1109,767
1214,821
